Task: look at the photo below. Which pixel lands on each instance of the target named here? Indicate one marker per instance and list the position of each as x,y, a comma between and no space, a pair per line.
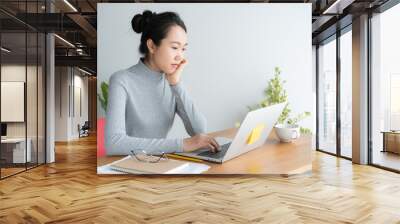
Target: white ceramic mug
287,133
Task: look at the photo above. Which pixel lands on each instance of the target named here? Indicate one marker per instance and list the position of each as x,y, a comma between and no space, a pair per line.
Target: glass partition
41,87
31,99
22,77
13,105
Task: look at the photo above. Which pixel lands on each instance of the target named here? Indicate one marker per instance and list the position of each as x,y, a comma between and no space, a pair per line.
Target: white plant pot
287,132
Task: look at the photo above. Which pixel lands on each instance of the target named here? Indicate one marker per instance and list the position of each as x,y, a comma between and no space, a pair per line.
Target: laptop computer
252,133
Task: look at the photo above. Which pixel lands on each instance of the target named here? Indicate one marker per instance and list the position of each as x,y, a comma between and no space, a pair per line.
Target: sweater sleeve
117,141
193,120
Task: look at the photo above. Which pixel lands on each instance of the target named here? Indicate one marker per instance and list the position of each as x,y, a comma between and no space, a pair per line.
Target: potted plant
287,127
290,129
103,98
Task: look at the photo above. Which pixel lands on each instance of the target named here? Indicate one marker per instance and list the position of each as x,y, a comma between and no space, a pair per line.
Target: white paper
189,168
106,169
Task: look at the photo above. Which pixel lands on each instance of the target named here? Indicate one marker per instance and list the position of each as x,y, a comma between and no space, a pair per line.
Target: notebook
170,166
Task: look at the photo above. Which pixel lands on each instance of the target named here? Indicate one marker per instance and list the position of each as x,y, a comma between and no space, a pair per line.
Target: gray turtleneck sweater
141,110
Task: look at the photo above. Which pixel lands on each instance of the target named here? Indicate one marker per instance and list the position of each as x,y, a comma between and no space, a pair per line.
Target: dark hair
154,26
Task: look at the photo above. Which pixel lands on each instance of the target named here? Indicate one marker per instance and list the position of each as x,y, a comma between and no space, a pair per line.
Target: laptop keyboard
219,154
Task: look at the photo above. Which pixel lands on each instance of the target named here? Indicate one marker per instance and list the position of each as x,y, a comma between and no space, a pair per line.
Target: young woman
144,98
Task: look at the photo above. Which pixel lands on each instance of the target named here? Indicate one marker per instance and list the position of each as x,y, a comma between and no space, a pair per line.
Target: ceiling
76,21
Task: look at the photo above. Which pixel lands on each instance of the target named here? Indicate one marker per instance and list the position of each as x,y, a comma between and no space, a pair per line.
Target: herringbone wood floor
69,191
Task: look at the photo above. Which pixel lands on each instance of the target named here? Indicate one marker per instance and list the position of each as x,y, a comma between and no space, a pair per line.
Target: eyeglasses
142,156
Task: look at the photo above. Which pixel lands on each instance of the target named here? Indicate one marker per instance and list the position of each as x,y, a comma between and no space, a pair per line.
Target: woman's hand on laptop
200,141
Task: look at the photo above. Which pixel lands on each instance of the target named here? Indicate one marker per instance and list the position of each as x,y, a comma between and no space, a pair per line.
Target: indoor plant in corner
287,128
103,98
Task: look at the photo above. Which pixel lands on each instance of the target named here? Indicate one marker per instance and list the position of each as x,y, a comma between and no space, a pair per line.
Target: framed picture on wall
12,101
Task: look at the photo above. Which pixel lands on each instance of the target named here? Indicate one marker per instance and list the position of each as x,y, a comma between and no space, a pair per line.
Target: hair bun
140,21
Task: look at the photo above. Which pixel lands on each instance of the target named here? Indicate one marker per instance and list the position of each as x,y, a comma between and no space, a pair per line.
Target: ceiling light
65,41
5,50
70,5
84,71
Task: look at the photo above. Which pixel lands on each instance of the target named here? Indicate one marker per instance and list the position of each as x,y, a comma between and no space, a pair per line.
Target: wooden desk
13,150
271,158
391,141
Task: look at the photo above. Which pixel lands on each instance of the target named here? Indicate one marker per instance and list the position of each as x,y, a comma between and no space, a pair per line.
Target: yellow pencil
184,158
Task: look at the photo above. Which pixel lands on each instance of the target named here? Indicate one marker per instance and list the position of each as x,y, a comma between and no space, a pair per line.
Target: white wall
66,121
61,103
231,54
80,82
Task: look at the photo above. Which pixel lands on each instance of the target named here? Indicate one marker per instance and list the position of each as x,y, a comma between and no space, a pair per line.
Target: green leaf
275,93
104,95
305,130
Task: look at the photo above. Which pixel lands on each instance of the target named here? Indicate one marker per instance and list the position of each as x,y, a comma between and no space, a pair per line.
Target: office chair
84,130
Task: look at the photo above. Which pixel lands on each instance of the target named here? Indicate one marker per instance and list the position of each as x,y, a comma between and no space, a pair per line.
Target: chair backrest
86,125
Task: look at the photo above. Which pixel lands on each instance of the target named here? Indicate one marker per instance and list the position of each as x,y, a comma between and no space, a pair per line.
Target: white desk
17,146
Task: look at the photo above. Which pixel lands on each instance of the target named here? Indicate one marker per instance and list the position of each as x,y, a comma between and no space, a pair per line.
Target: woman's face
170,52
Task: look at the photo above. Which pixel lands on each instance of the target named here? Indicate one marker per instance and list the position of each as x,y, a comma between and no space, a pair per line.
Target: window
385,88
327,97
346,94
